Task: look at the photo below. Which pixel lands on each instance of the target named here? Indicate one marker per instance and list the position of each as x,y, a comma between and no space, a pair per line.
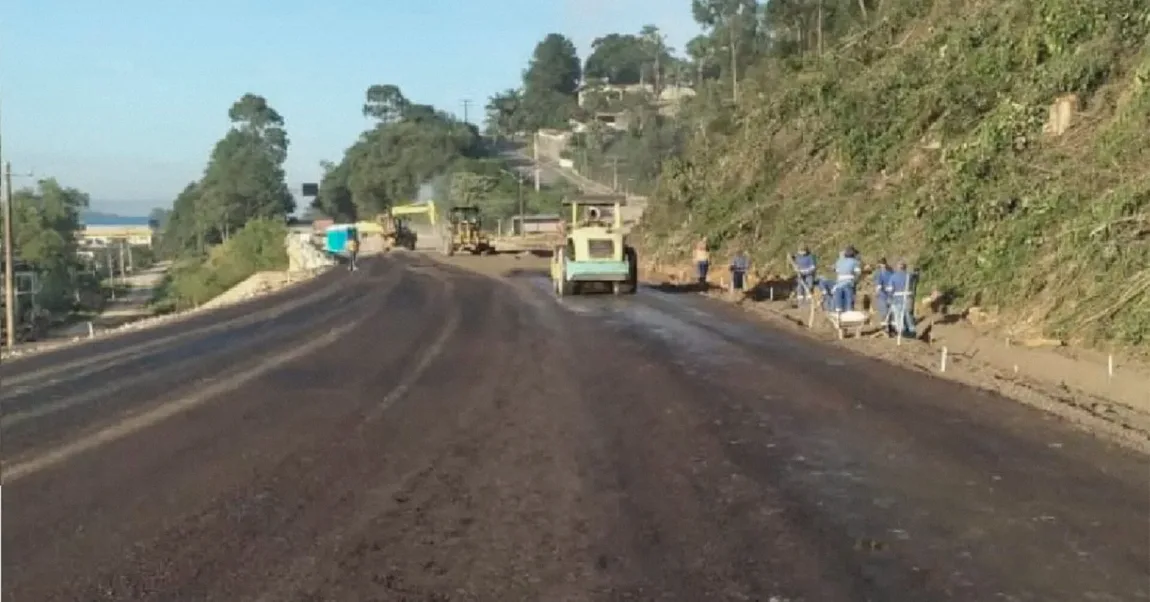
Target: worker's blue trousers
804,286
738,279
881,303
902,310
701,269
844,296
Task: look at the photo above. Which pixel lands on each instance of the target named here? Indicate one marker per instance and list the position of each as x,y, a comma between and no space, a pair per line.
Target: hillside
1003,147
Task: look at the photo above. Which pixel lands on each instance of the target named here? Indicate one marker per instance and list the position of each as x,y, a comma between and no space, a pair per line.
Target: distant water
113,220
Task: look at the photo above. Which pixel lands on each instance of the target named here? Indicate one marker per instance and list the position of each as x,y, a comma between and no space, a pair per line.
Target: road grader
595,252
465,232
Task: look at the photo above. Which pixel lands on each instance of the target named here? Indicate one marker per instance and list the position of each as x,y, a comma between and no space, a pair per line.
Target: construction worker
806,266
702,258
740,264
847,270
352,248
882,289
902,282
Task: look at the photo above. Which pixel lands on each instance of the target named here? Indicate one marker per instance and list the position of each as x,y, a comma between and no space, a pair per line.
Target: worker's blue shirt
847,269
740,263
900,281
882,279
805,263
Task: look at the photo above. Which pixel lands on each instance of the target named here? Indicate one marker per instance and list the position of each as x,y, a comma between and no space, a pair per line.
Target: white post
942,365
91,330
1110,365
771,292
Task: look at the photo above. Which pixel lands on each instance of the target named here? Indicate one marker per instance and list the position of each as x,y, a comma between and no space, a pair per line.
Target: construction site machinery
595,251
32,321
396,232
465,232
422,221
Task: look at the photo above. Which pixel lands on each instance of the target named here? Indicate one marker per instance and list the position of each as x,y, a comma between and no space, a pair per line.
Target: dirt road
414,431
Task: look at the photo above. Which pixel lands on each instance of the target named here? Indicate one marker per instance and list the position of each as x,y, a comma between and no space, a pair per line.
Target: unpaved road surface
413,431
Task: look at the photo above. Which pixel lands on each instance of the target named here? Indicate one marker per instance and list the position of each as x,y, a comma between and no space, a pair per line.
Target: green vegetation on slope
921,133
258,247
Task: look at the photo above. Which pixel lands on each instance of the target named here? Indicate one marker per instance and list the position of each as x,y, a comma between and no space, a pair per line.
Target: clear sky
124,99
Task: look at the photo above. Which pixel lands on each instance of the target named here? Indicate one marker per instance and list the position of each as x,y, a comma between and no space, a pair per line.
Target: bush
258,247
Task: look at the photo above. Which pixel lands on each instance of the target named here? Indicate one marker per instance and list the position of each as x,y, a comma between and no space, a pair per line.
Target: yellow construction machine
465,231
402,228
396,232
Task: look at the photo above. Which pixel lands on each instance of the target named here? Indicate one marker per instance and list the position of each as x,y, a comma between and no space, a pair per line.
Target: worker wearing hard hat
848,268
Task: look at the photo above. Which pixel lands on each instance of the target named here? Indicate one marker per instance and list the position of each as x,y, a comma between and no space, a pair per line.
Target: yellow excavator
401,227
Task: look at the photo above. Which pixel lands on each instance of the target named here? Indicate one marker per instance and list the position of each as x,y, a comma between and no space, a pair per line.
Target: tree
385,103
504,113
554,67
617,58
389,163
550,84
468,188
45,224
655,55
244,180
732,25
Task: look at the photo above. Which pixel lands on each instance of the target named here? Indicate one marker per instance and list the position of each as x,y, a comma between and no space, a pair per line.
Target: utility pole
466,106
522,209
536,147
615,174
9,270
123,273
111,269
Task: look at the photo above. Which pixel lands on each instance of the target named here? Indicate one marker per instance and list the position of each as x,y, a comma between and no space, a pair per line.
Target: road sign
311,189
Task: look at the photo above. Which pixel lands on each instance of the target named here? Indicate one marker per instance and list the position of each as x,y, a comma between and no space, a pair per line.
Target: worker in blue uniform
882,289
902,283
848,268
806,266
740,264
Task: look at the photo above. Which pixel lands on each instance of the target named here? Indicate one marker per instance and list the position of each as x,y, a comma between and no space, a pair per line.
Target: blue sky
125,99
